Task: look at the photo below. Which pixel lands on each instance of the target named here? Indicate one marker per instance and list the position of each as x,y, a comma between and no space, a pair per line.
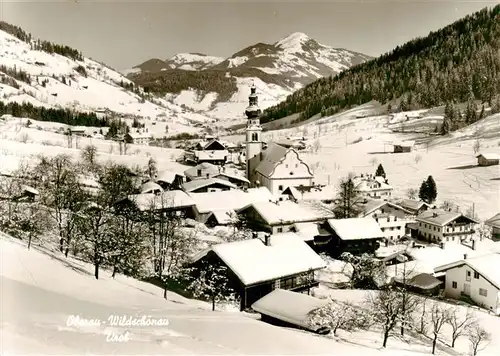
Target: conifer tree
428,190
380,171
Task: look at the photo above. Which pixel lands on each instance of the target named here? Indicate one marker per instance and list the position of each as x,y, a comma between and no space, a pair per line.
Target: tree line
450,65
39,45
110,226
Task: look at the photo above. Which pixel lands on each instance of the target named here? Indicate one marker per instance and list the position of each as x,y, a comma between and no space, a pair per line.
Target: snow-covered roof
494,221
412,204
149,187
223,217
307,230
440,217
211,155
288,306
136,135
254,262
78,129
489,155
229,199
166,200
356,228
206,168
318,193
29,189
288,212
485,265
370,205
272,155
404,143
232,176
370,184
167,176
202,183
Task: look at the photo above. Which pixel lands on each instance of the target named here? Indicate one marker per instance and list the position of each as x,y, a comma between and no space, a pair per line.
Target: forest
456,64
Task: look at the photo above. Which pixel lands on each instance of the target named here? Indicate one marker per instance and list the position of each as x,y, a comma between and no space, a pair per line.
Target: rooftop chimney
434,215
474,245
208,175
254,235
441,244
267,239
465,256
199,172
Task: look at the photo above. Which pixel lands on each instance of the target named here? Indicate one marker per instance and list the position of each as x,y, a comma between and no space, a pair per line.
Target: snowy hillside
56,81
278,70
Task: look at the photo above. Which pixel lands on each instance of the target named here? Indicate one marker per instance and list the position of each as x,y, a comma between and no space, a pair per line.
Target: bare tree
337,315
412,193
476,147
316,146
89,158
386,307
422,321
34,222
459,325
152,168
447,205
373,161
417,158
440,315
478,337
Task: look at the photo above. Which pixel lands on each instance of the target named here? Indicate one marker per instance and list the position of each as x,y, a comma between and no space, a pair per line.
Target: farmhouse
476,278
285,308
354,235
319,193
207,185
443,226
275,167
169,180
173,201
494,223
227,201
406,146
488,159
236,179
259,266
78,130
218,157
277,217
372,186
203,170
138,138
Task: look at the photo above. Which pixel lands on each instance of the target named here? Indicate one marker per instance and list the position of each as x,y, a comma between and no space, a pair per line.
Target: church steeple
254,132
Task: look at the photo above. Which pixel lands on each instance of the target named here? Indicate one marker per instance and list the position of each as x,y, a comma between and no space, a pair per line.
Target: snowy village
369,227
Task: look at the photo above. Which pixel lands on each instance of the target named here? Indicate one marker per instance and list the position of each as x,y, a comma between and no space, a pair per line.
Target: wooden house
415,207
488,159
172,202
201,171
236,179
406,146
212,145
138,138
169,180
354,235
259,266
494,223
217,157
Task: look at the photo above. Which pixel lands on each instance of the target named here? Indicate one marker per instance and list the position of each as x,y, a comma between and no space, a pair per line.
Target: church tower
254,133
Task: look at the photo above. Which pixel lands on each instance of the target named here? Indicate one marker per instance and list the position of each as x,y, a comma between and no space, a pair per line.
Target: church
272,166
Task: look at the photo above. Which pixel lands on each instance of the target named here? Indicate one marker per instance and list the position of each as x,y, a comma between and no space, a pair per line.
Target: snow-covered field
41,291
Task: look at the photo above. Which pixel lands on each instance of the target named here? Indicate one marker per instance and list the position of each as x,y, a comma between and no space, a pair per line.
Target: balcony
456,233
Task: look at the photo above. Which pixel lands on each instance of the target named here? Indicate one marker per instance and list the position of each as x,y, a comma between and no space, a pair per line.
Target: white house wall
435,233
459,275
291,166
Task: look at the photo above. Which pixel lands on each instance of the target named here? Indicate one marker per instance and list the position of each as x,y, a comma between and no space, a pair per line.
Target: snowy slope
279,68
100,89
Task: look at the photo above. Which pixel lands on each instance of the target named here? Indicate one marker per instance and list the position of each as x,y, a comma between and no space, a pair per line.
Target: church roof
272,156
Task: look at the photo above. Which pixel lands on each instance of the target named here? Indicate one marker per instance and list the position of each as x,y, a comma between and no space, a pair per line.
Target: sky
124,33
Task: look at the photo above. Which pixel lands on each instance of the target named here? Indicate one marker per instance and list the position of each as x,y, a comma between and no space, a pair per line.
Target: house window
483,292
476,275
277,284
280,229
454,285
388,219
286,165
280,187
296,165
467,277
291,173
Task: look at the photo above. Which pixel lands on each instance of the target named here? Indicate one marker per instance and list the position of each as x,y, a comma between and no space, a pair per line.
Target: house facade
370,186
138,138
402,147
444,226
494,223
476,278
488,159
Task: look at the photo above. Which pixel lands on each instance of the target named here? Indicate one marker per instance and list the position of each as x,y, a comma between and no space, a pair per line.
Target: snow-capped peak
193,61
293,41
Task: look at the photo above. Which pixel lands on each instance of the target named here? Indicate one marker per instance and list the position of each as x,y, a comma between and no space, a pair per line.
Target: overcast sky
126,33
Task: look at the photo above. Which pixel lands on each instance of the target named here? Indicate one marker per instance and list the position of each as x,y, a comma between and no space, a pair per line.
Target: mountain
219,87
457,64
51,82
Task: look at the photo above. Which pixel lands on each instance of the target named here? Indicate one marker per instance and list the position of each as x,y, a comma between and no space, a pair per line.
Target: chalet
494,223
259,266
372,186
227,201
78,130
443,226
201,171
285,308
213,145
416,207
221,218
406,146
488,159
207,185
217,157
101,113
169,180
173,201
391,218
354,235
277,217
236,179
138,138
279,168
476,278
